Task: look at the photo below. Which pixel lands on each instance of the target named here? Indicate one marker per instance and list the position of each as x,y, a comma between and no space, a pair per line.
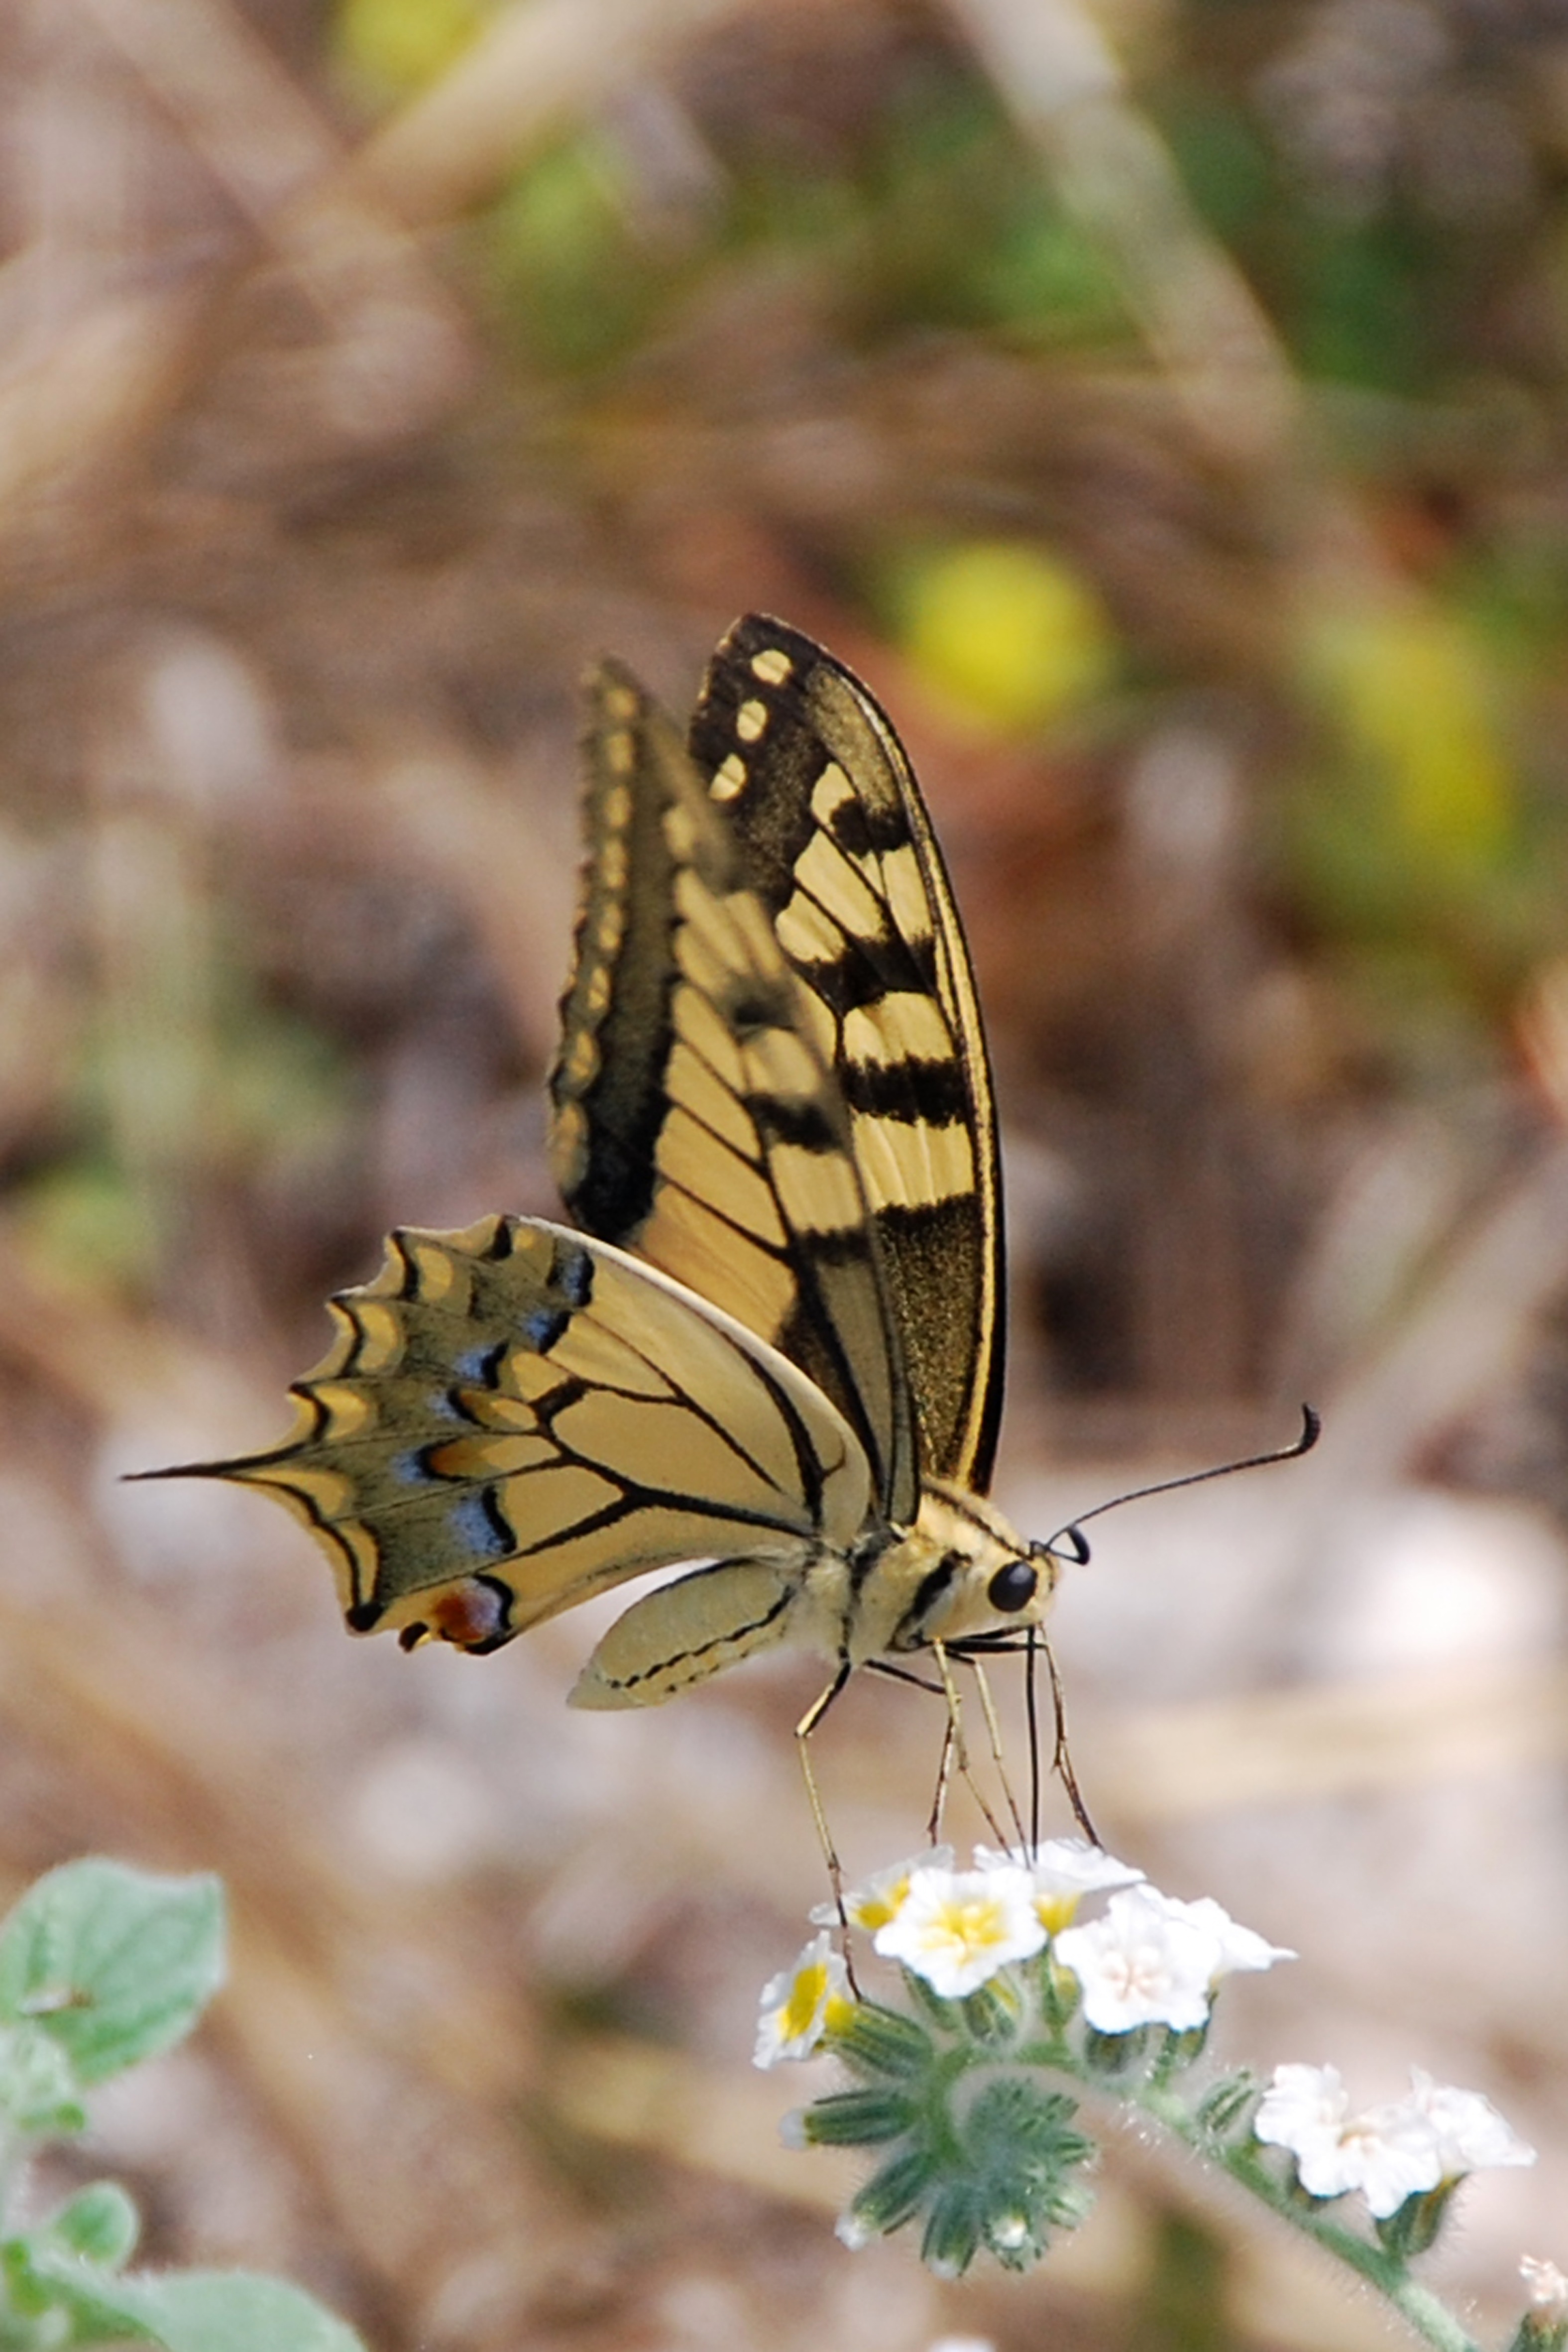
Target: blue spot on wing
544,1327
479,1364
479,1529
411,1469
573,1270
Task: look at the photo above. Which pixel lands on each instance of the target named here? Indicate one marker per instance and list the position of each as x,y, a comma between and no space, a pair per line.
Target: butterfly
772,1341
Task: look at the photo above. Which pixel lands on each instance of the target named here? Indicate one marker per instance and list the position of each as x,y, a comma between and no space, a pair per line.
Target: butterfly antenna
1071,1534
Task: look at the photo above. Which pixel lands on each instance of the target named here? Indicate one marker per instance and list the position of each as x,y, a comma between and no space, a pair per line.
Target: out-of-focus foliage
396,45
1166,407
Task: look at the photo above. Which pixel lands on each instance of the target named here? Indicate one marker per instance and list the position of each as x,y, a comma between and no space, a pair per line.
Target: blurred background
1164,405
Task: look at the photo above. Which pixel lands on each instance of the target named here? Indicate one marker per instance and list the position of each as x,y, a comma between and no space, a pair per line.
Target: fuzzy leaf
111,1963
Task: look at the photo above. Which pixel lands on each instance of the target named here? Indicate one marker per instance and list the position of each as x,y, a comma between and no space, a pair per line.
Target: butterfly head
960,1571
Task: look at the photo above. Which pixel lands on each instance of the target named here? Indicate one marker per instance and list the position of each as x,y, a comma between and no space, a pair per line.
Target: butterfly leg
944,1782
804,1730
994,1734
1061,1755
956,1751
952,1745
1031,1716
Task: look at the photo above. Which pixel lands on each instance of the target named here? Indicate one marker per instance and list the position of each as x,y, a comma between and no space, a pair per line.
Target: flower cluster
1004,1985
1006,1996
1403,2157
1149,1960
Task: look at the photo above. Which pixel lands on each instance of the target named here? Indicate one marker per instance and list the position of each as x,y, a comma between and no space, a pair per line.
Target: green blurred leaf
1360,307
232,2311
39,2088
72,2301
86,1221
1044,275
99,2225
181,2311
111,1963
569,275
1225,163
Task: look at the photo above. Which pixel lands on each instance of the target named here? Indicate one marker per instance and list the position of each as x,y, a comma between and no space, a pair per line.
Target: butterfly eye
1013,1588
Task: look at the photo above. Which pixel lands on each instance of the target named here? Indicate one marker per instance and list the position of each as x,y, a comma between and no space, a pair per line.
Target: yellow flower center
1057,1910
977,1925
805,1996
878,1904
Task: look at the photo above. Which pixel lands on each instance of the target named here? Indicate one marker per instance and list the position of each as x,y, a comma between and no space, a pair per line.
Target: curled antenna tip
1072,1533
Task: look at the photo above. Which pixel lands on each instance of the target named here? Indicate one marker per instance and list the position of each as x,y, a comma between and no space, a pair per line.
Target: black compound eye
1013,1588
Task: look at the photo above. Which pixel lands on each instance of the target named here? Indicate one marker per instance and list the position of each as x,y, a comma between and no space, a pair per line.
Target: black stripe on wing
694,1119
837,844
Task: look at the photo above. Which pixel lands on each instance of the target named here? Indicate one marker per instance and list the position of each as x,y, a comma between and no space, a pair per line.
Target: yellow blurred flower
1005,630
400,45
1409,688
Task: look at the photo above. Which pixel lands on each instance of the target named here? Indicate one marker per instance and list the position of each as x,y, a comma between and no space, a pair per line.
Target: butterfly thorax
960,1571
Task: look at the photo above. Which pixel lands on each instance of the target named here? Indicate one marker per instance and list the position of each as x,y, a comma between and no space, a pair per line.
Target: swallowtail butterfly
772,1344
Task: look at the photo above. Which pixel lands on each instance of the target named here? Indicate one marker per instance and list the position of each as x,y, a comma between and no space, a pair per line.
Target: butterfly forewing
514,1417
694,1119
836,842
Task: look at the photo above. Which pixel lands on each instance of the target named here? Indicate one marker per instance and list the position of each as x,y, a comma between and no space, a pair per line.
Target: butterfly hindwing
694,1119
835,841
516,1416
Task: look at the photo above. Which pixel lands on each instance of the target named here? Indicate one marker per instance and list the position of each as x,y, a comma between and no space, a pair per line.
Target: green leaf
235,2311
858,2118
952,2234
99,2224
897,2190
876,2041
40,2281
181,2311
111,1963
38,2090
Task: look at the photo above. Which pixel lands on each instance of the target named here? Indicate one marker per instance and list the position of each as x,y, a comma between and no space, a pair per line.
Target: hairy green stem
1387,2272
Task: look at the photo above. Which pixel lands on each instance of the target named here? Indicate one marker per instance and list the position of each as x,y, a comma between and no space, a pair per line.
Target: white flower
1468,2128
871,1906
1142,1964
955,1928
1389,2154
1063,1870
1547,2284
1238,1947
799,2002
